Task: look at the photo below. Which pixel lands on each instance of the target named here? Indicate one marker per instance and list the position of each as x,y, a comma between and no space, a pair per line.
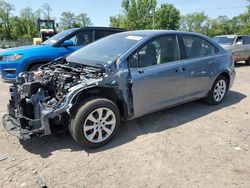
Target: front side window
82,38
159,51
239,41
58,37
197,47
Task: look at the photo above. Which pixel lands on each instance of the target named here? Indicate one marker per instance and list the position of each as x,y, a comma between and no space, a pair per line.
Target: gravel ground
193,145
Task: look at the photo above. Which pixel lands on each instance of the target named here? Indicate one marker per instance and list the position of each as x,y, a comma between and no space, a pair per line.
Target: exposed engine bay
44,97
56,80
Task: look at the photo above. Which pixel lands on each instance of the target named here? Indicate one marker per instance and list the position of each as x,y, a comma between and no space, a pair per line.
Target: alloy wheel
99,125
220,90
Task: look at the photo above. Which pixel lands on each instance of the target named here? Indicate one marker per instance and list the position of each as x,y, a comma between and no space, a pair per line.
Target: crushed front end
41,100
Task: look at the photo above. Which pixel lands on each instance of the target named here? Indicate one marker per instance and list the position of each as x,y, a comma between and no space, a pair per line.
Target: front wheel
218,91
95,123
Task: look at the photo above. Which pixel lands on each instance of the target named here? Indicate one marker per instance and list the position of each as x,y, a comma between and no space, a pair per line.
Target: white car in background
238,44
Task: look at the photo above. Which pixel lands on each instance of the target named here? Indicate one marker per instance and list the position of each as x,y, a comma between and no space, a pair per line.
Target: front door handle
141,71
181,69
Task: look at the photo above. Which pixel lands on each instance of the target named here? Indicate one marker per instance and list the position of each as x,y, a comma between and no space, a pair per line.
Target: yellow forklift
46,29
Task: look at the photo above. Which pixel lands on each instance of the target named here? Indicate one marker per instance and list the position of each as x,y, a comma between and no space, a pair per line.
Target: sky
99,11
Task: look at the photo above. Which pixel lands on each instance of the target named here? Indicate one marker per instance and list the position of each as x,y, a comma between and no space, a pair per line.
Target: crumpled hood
25,49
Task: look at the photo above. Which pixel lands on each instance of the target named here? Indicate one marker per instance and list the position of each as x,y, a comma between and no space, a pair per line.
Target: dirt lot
193,145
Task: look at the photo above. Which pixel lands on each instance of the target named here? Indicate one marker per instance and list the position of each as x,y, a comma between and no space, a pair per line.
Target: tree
167,17
83,20
117,21
139,14
194,22
6,10
143,14
67,20
46,10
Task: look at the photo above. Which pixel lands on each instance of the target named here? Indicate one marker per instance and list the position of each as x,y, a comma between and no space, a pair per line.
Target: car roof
159,32
103,28
231,35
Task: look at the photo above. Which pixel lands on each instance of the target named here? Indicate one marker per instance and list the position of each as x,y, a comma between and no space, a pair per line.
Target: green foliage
143,14
83,20
69,20
167,17
6,12
139,13
118,21
193,22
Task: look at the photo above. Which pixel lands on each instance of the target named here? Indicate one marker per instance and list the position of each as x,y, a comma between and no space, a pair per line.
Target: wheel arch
102,92
30,64
226,75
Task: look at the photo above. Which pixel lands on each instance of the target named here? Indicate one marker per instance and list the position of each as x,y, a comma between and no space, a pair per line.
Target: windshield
228,40
105,50
57,37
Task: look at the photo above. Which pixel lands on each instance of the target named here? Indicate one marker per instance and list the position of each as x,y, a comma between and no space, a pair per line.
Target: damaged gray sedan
123,76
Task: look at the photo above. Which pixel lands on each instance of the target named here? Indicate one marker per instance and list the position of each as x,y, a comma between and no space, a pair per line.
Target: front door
158,75
80,39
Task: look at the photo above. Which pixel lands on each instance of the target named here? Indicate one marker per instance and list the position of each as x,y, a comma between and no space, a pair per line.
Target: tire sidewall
77,123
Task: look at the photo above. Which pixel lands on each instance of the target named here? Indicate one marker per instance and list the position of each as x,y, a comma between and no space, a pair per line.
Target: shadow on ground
130,130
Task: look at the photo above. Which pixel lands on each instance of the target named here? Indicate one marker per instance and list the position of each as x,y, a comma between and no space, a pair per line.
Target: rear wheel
95,123
218,91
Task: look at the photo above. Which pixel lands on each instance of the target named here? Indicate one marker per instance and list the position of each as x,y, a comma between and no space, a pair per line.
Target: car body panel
153,90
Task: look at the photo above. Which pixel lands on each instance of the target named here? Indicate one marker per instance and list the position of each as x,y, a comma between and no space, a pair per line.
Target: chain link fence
15,43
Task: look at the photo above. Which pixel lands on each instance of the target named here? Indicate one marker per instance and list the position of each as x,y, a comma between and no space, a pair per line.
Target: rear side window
101,34
197,47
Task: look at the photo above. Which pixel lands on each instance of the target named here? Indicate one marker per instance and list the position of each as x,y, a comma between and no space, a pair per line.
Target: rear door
200,60
158,75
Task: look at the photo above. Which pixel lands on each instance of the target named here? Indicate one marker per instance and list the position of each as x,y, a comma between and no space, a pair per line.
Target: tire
248,61
86,124
218,91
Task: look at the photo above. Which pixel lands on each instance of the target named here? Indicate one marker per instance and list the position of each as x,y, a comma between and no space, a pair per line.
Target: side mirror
67,43
239,42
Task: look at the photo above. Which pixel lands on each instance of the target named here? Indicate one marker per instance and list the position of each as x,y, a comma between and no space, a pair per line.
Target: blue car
27,58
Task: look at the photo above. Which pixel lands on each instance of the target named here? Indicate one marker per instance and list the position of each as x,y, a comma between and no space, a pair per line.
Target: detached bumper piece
13,127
